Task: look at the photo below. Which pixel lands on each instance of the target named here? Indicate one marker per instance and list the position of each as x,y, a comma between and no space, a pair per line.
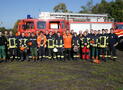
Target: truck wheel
120,45
121,40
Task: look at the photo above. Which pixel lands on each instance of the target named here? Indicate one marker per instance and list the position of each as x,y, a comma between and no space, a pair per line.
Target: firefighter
46,49
94,41
28,36
80,34
23,44
98,34
90,35
55,50
6,48
41,41
37,34
55,35
64,32
12,46
67,37
3,42
33,46
85,45
108,56
50,46
103,43
113,42
18,35
47,34
76,47
72,32
59,44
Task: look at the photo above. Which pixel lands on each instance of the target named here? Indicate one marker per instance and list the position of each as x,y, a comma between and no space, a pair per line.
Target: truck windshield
41,25
119,26
28,25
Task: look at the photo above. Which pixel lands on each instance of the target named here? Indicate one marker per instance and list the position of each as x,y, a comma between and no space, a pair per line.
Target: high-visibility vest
12,42
41,40
103,41
67,40
50,42
59,42
23,42
85,41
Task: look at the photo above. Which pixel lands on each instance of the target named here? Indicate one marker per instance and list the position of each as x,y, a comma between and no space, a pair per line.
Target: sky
12,10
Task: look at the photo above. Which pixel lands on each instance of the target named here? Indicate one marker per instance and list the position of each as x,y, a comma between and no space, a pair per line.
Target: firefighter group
94,46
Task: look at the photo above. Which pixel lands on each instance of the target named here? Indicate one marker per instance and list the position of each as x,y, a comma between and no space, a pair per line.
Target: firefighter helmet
55,50
75,48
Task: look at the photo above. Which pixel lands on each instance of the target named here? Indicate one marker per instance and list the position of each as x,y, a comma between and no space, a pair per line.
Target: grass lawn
59,75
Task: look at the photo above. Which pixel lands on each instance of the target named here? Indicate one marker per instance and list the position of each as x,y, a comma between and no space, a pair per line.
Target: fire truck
69,21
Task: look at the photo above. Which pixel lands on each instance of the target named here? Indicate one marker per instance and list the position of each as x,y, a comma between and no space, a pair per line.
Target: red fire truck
33,25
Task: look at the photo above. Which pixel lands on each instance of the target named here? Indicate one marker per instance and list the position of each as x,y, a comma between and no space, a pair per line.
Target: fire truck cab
33,25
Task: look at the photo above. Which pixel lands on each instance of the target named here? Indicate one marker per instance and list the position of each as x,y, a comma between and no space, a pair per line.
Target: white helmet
55,50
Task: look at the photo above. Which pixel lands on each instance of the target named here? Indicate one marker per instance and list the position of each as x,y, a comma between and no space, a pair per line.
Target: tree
117,11
15,26
87,8
60,8
101,8
2,29
114,9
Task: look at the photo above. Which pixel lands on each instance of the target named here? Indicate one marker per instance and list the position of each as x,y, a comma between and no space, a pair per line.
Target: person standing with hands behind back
113,42
3,42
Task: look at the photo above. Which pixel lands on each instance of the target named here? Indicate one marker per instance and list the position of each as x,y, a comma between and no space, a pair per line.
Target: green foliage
114,9
2,29
14,30
87,8
61,8
15,26
101,8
